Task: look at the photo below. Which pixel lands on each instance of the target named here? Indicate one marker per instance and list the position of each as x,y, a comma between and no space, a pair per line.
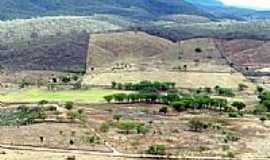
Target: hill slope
131,8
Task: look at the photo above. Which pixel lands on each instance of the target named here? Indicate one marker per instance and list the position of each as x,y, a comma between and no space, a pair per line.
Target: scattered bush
163,110
230,136
142,129
117,116
157,149
239,105
105,127
242,87
197,125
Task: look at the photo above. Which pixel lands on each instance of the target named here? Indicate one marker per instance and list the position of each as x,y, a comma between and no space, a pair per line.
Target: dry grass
182,79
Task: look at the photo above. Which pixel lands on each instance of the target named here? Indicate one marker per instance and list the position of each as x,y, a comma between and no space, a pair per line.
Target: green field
35,94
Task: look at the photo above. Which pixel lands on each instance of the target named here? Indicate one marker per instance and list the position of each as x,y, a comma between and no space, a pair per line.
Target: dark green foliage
65,79
163,110
142,129
114,85
234,114
263,118
197,125
77,115
157,149
239,105
264,101
145,86
198,50
224,91
108,98
24,83
42,102
260,89
127,126
69,105
230,136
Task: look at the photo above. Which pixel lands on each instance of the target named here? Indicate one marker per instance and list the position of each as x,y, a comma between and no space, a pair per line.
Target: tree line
144,86
178,101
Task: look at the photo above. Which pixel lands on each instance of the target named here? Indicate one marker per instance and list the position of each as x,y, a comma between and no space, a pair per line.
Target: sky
255,4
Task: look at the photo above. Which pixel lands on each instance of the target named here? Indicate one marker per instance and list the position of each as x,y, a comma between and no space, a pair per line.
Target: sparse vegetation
157,150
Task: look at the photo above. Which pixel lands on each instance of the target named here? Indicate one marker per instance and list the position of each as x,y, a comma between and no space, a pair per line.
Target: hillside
11,9
136,56
50,43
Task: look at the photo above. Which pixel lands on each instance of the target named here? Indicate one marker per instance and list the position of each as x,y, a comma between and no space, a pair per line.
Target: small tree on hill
239,105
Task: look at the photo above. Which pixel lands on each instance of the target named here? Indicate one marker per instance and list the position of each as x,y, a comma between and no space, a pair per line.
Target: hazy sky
257,4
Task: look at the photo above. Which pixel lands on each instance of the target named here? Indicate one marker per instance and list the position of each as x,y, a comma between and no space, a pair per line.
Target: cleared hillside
50,43
136,56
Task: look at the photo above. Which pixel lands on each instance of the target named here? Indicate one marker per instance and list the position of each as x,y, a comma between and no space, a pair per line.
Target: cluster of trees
200,102
228,92
144,86
178,101
143,97
264,105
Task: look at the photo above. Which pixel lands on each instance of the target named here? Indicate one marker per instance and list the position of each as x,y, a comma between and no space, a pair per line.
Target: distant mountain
217,8
10,9
207,3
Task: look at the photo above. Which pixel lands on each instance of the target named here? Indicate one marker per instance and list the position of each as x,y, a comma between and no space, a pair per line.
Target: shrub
93,140
198,50
157,149
239,105
242,87
234,114
104,127
197,125
163,110
259,109
179,106
263,118
117,116
127,126
142,129
71,158
24,83
76,115
69,105
224,91
260,89
230,136
42,102
108,98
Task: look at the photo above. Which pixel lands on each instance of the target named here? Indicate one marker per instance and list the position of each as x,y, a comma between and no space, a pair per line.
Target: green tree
69,105
108,98
127,126
239,105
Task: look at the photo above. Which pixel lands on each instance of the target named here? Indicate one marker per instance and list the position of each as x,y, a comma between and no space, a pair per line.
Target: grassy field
36,94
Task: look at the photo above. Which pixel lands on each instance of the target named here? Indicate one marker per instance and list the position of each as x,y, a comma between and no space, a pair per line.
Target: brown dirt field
31,155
